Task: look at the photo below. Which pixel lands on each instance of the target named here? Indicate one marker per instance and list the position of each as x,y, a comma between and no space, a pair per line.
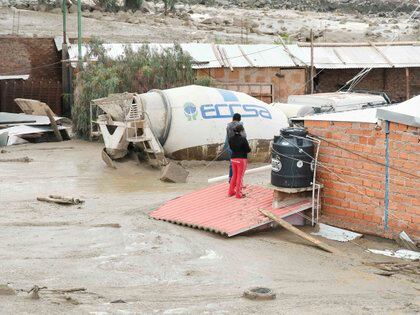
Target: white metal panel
367,115
402,56
202,53
363,56
235,57
268,55
407,112
15,77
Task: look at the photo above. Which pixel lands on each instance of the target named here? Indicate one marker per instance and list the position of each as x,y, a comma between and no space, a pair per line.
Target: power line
366,158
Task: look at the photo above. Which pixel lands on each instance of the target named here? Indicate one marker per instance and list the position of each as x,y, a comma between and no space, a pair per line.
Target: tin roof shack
370,170
267,72
395,67
29,68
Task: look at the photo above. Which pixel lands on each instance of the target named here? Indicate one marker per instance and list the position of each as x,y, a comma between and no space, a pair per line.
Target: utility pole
312,62
79,32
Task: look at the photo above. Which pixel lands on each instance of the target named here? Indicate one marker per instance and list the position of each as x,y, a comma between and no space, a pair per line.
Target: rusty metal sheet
211,209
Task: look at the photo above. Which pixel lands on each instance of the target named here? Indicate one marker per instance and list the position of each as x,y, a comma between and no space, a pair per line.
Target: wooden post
54,124
407,82
312,62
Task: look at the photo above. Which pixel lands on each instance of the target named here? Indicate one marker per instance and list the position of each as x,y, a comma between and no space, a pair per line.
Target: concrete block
174,173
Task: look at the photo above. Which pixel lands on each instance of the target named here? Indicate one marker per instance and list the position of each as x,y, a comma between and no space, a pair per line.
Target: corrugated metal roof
15,77
217,56
367,115
211,209
364,56
266,55
407,113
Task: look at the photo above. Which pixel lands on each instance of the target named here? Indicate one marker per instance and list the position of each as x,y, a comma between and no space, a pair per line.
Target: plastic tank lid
295,131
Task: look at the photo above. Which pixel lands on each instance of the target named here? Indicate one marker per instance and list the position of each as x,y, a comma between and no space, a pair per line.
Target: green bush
132,5
134,71
108,5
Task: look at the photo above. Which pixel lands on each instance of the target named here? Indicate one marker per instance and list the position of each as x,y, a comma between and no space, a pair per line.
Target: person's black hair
236,117
238,129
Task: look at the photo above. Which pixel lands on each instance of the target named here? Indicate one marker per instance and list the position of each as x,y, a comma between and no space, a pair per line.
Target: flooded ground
112,248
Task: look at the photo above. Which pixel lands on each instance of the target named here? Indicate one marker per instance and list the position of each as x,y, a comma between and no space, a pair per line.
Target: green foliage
204,81
134,71
287,39
169,5
108,5
133,5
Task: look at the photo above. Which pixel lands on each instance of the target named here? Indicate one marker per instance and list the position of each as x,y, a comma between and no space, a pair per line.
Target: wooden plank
298,232
381,54
53,124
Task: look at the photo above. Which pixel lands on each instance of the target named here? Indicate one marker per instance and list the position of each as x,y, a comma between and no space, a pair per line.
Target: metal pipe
315,161
386,175
312,62
251,171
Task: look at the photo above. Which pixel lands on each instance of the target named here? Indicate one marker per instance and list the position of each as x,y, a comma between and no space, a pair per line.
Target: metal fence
46,91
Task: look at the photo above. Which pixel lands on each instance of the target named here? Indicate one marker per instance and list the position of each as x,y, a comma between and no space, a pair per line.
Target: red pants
238,168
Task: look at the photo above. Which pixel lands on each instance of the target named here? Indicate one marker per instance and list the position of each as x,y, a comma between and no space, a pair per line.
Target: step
137,139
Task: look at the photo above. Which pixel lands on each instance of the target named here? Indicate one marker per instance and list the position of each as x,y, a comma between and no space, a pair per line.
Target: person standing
236,120
240,148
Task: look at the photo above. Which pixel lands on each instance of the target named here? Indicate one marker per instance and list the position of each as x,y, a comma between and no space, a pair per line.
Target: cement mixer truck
188,123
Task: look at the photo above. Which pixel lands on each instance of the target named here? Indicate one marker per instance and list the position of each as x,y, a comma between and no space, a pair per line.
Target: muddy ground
112,248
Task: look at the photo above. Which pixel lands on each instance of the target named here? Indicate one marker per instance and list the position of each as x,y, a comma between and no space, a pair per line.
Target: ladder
140,133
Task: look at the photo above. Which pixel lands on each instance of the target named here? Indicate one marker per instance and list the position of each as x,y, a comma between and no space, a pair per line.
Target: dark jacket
239,146
230,129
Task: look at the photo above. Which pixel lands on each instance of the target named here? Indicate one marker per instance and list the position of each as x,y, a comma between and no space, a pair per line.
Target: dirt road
157,267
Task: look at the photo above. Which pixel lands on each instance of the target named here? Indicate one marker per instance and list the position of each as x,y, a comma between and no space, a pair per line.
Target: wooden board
33,107
298,232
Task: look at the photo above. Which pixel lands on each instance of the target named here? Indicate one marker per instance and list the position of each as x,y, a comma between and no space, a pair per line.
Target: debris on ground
174,173
69,290
112,225
61,200
391,268
24,159
72,300
33,293
118,301
4,151
298,232
107,159
405,241
5,289
401,253
24,128
33,107
259,293
336,234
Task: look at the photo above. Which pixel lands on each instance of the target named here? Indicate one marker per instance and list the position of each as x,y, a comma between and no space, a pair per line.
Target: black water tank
292,165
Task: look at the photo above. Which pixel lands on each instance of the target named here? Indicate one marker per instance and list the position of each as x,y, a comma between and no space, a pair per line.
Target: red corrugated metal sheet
211,209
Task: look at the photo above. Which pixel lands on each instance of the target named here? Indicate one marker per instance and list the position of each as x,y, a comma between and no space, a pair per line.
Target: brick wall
391,81
19,54
353,196
36,57
284,81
